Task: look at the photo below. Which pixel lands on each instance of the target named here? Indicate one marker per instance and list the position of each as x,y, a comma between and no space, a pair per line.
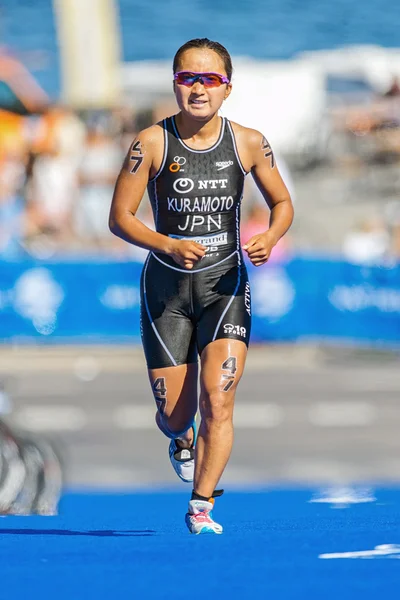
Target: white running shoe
199,518
182,459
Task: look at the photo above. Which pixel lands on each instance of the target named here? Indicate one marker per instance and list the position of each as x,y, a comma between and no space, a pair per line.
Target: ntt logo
183,185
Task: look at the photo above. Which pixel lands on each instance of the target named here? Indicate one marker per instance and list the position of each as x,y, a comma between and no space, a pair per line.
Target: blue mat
276,545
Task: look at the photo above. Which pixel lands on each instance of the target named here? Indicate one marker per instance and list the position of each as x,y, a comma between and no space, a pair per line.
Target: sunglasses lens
209,80
185,79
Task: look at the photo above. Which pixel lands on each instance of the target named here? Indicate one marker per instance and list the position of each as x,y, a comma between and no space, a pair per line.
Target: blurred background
319,401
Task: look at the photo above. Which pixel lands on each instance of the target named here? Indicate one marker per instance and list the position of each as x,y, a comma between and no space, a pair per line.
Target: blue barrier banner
70,301
303,299
333,300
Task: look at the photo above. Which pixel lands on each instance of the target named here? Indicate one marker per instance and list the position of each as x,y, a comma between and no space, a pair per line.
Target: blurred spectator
257,221
11,134
100,164
368,243
52,192
392,215
395,242
12,209
58,171
58,127
55,139
125,128
255,213
394,89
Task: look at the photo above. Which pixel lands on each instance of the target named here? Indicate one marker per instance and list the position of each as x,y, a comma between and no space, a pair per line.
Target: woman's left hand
259,248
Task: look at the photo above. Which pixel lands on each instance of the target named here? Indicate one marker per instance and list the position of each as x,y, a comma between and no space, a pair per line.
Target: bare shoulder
248,141
246,135
150,137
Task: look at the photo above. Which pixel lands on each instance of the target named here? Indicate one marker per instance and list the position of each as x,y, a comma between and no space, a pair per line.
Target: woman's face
198,102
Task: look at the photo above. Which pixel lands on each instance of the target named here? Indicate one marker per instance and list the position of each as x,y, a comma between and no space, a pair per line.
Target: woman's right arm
139,165
129,189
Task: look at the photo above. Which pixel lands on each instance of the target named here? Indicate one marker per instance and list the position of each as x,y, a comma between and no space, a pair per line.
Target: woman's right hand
186,253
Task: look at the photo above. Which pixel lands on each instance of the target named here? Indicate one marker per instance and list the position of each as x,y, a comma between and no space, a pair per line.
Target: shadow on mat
97,533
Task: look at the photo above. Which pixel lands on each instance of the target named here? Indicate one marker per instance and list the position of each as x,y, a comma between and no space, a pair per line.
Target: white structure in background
367,244
373,64
89,39
287,100
284,100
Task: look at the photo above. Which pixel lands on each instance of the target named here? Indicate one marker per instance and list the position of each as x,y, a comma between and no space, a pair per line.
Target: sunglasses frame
198,75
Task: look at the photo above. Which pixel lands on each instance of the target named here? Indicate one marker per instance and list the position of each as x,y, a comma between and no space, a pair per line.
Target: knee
216,407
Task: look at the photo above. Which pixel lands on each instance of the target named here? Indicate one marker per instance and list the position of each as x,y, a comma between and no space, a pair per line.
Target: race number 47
136,156
229,365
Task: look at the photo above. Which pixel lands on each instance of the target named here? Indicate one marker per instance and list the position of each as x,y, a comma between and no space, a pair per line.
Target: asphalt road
302,416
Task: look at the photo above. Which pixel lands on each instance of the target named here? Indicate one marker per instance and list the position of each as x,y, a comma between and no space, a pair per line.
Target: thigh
167,332
222,365
227,312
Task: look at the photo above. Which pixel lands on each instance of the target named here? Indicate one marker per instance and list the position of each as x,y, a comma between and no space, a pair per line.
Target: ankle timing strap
215,494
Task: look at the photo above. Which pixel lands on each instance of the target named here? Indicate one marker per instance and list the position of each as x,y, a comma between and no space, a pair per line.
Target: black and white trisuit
195,195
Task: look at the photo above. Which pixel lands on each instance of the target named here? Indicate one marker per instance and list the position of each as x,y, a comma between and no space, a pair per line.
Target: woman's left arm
270,183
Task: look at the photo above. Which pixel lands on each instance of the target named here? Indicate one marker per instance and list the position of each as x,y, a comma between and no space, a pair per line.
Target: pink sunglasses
209,80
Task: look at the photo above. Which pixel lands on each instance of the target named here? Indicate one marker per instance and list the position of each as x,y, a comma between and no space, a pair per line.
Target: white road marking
135,417
87,368
257,416
377,385
342,414
246,416
50,418
383,550
141,417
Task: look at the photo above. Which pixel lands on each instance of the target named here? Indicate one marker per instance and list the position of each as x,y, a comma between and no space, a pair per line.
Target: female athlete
195,294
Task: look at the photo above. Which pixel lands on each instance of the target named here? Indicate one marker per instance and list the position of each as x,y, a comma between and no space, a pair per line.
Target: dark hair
206,43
